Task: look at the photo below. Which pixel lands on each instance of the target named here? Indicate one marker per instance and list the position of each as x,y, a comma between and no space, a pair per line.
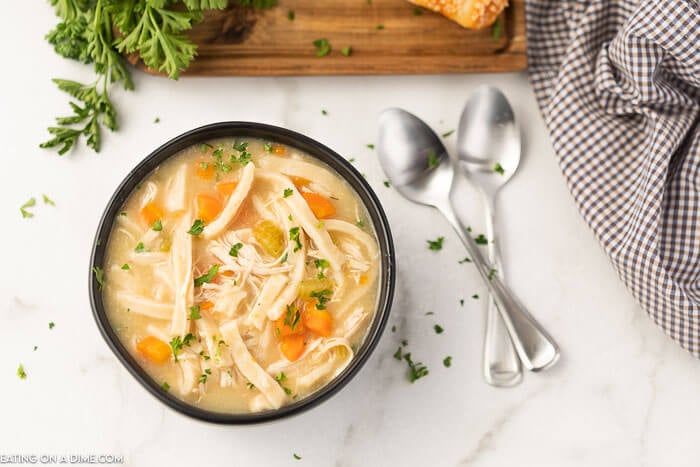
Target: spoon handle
501,364
536,348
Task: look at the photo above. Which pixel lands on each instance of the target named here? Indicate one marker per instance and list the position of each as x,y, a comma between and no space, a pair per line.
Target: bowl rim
275,134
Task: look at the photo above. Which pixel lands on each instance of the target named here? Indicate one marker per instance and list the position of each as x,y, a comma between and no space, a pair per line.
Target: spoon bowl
414,156
488,140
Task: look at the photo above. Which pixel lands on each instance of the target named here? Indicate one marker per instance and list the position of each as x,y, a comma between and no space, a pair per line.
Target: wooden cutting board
386,36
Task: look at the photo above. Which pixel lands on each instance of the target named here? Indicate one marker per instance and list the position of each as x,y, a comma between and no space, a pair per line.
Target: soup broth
242,275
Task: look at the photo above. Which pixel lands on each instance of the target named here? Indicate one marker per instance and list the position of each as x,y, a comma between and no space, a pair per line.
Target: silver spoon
488,136
488,148
418,167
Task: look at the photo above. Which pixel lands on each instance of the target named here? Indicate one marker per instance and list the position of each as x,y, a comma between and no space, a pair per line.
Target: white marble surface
622,395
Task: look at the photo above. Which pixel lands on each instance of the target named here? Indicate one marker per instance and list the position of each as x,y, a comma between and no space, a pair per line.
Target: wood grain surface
386,36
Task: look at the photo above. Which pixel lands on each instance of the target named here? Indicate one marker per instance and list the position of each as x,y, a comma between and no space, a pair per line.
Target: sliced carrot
208,207
154,349
206,305
226,188
320,205
205,170
318,321
279,149
299,182
283,330
151,212
292,347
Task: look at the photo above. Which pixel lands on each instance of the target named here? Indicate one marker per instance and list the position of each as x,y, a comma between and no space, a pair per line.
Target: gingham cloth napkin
618,82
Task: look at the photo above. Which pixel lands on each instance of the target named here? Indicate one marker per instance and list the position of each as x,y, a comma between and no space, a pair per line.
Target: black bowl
279,135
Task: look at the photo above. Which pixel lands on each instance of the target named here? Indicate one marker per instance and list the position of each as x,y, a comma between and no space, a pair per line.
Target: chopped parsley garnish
398,355
416,370
206,278
447,134
235,249
322,296
28,204
387,184
284,258
481,240
393,328
52,325
294,233
126,266
288,192
465,260
496,31
204,147
346,51
268,147
157,225
475,296
157,120
296,456
438,329
323,47
202,378
324,112
292,317
250,385
417,11
177,343
370,146
429,313
123,213
321,265
197,227
21,374
380,27
204,357
498,168
194,312
165,386
435,245
447,361
280,379
36,347
461,302
291,15
99,277
48,200
492,274
432,159
360,223
140,247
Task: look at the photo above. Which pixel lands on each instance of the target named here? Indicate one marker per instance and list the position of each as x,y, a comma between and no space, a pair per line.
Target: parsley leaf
447,361
346,51
438,329
288,192
48,200
435,245
140,247
157,225
23,209
235,249
21,374
323,47
206,278
197,227
432,159
194,313
481,240
99,277
322,296
294,235
498,168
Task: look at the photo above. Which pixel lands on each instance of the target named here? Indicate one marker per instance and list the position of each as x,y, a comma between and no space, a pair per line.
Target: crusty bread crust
472,14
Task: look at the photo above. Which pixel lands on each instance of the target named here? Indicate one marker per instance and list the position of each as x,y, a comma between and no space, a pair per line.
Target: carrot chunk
205,170
279,149
289,323
151,212
226,188
154,349
299,182
208,207
320,205
206,305
292,347
318,321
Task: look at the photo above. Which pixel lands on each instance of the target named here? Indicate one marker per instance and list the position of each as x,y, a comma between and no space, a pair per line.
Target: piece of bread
472,14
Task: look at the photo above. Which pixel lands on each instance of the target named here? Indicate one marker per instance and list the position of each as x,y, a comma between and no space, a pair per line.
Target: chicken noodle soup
242,275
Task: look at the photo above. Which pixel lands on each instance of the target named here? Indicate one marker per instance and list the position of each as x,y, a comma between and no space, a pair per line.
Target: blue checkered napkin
618,82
